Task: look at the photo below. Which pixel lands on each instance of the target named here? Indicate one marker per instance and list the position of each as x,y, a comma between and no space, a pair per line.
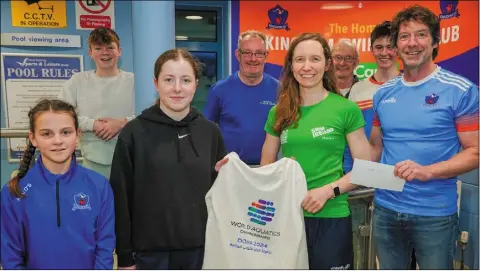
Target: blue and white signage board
36,39
26,79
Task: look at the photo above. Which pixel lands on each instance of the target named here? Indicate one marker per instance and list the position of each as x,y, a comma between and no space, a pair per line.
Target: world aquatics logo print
261,212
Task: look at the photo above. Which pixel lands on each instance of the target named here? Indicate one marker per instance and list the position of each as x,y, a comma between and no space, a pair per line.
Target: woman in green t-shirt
313,124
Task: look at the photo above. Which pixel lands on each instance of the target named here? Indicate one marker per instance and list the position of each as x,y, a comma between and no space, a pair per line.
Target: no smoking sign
91,14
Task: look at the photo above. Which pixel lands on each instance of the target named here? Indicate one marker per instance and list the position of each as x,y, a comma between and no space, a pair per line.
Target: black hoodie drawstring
177,142
191,141
57,197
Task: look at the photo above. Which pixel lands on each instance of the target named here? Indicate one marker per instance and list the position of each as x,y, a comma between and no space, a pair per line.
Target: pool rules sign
91,14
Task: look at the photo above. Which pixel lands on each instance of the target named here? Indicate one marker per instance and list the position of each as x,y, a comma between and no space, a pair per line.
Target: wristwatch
336,190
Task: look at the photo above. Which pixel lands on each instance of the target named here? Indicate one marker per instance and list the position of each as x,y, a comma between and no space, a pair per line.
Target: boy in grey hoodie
104,99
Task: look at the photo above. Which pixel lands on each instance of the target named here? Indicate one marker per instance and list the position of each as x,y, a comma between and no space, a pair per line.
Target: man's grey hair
251,33
347,43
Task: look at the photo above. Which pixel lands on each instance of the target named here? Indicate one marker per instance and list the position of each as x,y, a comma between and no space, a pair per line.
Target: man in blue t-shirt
425,125
240,103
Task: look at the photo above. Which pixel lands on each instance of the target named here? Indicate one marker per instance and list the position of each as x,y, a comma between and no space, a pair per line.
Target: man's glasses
250,54
347,59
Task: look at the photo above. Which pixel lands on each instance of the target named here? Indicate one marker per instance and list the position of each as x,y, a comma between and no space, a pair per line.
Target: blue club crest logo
431,99
449,9
278,18
81,202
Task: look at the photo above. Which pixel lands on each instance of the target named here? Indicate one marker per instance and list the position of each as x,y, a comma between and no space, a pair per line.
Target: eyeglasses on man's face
250,54
347,59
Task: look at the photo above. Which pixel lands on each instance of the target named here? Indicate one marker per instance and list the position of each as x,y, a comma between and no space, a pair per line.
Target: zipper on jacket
58,203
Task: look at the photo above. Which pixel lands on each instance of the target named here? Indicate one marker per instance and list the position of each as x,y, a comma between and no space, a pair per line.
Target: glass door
199,30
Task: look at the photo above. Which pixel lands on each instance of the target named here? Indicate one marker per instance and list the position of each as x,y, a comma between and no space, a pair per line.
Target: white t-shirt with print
255,218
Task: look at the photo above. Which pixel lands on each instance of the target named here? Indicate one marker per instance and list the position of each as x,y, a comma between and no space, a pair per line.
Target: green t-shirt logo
320,131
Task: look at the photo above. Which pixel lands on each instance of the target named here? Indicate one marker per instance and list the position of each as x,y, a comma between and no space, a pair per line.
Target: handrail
369,254
15,133
361,193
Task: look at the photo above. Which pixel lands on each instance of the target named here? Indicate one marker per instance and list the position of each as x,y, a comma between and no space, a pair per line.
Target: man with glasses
345,60
104,99
240,103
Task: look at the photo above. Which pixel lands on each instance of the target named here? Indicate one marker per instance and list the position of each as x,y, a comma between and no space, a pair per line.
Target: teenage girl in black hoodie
162,168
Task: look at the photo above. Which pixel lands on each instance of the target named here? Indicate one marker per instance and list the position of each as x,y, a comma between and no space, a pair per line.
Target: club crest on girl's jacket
81,202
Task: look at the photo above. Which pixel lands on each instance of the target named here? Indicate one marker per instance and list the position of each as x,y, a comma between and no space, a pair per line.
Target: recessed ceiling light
336,6
181,37
194,17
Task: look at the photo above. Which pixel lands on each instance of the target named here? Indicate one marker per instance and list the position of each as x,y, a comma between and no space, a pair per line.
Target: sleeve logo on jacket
81,202
25,190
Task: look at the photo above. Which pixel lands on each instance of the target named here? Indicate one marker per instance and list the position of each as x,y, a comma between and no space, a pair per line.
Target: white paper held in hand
375,175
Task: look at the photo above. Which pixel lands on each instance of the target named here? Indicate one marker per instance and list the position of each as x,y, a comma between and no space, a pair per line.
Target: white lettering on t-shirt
319,131
389,101
283,137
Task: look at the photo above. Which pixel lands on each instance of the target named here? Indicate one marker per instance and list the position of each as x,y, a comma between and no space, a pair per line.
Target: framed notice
26,79
91,14
39,13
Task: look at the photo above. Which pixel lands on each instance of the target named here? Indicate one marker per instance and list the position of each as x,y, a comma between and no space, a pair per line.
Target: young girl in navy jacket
56,214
